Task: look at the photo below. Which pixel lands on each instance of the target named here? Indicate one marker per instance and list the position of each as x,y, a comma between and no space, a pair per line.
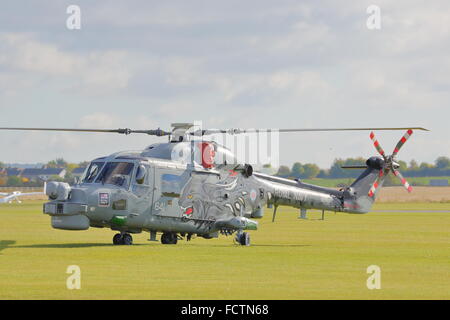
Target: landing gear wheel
243,239
117,239
127,239
123,239
169,238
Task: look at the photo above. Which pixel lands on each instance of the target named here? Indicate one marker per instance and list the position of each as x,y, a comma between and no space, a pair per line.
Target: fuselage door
169,183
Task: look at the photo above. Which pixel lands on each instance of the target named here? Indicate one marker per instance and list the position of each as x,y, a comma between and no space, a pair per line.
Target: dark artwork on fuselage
207,197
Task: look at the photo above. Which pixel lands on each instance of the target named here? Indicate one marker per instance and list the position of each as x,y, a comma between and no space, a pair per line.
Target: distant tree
403,165
336,170
323,174
83,164
297,170
2,165
57,163
413,165
71,166
283,171
443,163
425,165
310,171
441,167
14,181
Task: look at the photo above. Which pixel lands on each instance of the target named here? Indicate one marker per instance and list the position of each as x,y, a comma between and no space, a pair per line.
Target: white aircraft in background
10,197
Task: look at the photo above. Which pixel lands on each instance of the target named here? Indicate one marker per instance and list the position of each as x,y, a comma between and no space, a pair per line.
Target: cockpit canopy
117,173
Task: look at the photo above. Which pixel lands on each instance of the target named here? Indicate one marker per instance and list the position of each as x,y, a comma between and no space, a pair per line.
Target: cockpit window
116,173
92,172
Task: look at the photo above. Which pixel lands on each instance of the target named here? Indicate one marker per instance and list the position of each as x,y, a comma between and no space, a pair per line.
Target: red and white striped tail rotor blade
403,180
376,184
377,144
402,142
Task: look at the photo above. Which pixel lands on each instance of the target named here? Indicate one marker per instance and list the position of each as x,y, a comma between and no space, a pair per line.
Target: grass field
288,259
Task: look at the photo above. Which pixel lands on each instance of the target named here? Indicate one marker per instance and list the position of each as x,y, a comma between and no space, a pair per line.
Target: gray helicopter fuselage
173,197
148,191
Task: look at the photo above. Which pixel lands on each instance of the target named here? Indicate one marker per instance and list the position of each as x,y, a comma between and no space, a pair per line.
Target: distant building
78,172
439,183
14,172
43,174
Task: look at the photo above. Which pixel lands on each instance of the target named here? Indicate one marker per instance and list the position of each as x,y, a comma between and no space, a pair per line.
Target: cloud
96,71
231,64
99,120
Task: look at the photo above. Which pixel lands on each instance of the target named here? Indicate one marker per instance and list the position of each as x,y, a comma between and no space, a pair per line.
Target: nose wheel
243,238
123,239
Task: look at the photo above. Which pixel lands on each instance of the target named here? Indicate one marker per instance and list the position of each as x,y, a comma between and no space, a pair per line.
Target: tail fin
360,196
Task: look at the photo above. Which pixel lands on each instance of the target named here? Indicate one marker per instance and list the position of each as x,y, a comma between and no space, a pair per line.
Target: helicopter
190,186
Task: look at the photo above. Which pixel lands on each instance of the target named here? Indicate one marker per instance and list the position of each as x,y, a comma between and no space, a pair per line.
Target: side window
171,185
143,175
142,172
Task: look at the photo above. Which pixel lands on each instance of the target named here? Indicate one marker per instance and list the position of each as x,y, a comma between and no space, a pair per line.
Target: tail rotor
402,142
377,145
403,180
390,163
376,184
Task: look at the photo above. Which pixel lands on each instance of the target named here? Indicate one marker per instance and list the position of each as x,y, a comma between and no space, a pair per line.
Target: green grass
289,259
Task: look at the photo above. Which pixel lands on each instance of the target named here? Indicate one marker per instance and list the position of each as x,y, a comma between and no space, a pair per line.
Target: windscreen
116,173
92,172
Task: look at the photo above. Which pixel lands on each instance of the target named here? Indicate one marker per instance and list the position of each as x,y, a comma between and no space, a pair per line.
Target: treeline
440,168
21,181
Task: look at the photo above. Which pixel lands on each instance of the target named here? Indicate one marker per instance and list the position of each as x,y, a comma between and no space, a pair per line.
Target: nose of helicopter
78,195
68,207
65,199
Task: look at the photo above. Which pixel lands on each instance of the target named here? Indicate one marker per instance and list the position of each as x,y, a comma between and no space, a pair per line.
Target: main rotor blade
126,131
402,141
239,131
353,129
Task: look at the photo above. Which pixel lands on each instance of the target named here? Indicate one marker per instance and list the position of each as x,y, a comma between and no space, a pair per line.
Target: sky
229,64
